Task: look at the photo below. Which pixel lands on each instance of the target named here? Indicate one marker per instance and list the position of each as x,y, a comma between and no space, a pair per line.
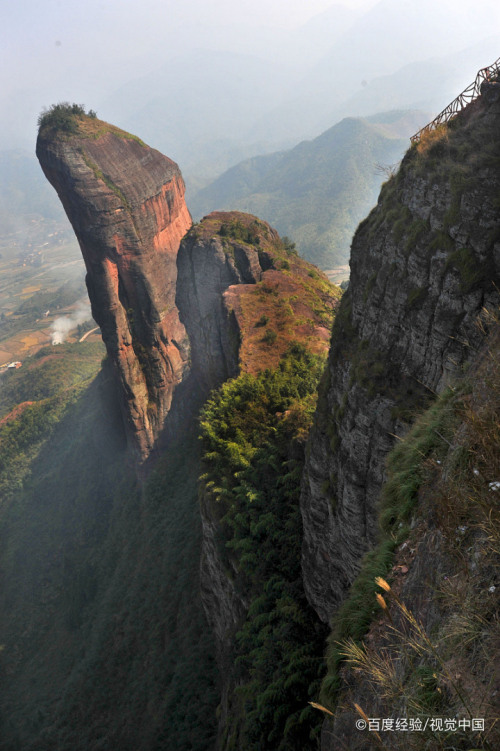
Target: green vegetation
238,231
316,193
289,246
34,308
72,119
64,296
253,433
63,117
270,337
104,641
52,371
409,466
20,440
406,468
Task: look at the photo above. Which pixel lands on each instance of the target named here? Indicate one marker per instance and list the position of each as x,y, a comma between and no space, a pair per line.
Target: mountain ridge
312,190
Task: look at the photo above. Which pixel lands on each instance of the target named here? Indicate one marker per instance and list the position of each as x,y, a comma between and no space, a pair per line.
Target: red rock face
126,204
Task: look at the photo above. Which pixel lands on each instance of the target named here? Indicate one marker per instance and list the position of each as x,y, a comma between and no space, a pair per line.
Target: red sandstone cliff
126,204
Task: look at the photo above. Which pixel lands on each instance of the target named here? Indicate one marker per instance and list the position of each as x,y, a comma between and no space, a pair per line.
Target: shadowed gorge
104,642
175,584
124,581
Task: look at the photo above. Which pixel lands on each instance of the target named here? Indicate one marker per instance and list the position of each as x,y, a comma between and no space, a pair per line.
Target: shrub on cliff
238,231
63,116
253,435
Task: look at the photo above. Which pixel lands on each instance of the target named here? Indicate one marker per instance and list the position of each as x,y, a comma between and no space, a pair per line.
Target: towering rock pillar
126,204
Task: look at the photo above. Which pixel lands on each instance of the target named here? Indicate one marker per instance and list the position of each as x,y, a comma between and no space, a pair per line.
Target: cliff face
126,204
209,264
424,265
243,299
246,299
235,300
432,649
215,267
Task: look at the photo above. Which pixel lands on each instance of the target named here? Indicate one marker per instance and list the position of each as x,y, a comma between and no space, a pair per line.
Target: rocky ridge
245,297
180,317
425,265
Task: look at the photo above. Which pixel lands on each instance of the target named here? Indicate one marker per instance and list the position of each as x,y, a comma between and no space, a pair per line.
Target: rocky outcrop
126,204
245,298
425,264
209,264
235,281
215,267
442,581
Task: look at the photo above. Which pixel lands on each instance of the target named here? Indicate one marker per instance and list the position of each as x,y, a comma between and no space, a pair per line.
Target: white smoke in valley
61,326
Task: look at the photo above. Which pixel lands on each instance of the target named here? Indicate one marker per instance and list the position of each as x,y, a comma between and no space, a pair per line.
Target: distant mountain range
209,108
210,91
317,192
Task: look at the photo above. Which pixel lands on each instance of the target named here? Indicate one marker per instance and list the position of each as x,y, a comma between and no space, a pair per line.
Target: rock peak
126,204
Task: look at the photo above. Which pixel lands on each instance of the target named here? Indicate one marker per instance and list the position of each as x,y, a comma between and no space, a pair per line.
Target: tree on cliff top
63,116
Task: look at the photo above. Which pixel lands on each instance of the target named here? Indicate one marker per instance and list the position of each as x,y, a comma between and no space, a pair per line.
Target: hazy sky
51,50
39,39
29,26
55,50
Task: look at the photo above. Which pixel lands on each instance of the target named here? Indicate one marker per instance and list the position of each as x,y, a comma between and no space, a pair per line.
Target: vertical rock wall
126,204
424,265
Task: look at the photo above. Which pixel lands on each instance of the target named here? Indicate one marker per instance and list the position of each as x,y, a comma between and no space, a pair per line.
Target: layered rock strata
425,265
126,204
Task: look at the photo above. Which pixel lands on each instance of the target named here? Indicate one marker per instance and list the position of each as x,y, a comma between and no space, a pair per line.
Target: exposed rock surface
209,264
430,656
245,298
126,204
424,264
236,281
214,269
233,273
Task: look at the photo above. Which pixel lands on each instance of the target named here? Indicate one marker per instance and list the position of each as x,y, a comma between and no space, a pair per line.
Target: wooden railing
466,97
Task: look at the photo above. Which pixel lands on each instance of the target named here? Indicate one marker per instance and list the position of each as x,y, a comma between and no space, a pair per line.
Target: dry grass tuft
430,138
450,667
